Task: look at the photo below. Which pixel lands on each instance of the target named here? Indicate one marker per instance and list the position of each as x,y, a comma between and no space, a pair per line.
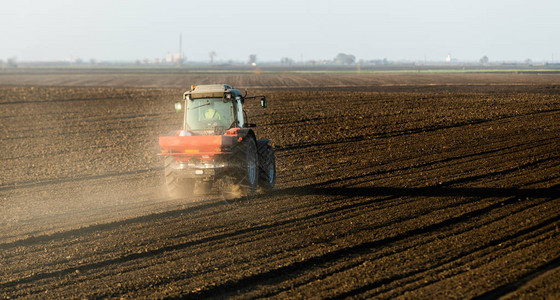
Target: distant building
450,59
173,58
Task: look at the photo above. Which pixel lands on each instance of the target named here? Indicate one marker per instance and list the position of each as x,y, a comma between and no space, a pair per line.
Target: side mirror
178,107
263,102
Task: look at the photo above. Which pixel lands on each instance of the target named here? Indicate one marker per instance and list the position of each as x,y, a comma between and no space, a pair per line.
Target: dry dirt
389,186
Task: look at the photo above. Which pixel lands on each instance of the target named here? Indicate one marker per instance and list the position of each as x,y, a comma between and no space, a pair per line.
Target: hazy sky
315,29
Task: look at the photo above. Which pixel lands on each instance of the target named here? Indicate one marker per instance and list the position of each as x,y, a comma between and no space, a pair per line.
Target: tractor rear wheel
246,162
267,165
176,187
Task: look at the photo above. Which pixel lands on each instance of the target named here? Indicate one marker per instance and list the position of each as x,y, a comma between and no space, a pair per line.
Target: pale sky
49,30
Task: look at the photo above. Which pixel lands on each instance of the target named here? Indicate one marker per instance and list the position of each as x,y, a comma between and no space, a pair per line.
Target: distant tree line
345,59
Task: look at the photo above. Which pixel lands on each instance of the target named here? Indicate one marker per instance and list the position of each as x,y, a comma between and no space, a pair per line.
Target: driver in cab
212,115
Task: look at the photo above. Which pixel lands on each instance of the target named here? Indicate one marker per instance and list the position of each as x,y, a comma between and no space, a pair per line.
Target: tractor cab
213,109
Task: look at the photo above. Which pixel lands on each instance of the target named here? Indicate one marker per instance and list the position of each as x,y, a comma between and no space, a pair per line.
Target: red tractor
216,150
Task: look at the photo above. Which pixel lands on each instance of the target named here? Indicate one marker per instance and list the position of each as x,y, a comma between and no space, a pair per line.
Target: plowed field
389,186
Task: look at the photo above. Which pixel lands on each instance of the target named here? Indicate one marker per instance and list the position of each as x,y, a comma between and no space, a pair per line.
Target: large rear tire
246,161
176,187
267,165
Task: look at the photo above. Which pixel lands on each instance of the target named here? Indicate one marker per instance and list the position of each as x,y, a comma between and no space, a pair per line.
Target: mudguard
245,133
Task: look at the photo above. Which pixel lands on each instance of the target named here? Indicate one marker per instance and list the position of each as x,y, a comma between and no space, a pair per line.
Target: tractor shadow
431,191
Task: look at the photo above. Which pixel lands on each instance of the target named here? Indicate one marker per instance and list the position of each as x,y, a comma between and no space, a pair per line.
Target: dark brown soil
389,186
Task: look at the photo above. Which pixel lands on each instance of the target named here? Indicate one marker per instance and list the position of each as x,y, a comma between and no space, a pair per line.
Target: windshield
208,113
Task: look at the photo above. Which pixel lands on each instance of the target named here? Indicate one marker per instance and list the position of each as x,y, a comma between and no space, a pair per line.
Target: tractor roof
211,91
